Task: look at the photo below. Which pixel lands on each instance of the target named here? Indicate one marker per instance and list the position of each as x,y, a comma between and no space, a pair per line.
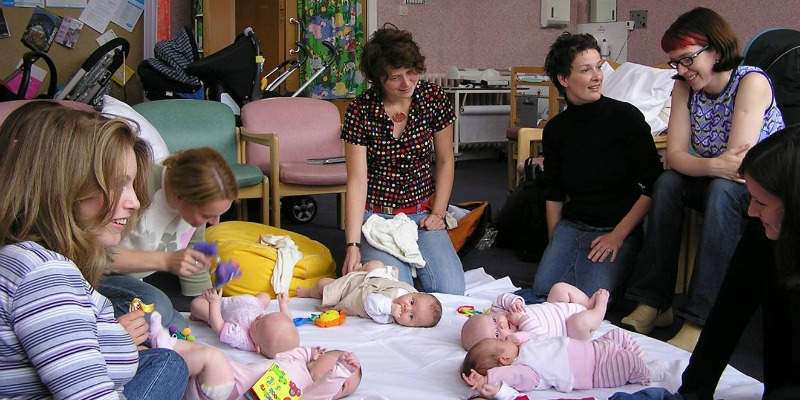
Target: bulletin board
67,60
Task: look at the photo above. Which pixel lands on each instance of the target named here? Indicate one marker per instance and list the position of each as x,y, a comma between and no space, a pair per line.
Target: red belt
406,210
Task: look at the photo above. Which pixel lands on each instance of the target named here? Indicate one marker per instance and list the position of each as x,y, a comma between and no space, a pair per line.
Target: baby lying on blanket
317,373
499,368
567,312
240,321
373,291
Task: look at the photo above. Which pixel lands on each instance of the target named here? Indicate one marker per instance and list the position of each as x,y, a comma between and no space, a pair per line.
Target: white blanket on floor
417,363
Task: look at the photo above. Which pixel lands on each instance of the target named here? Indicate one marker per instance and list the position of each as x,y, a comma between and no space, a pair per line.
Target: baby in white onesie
373,291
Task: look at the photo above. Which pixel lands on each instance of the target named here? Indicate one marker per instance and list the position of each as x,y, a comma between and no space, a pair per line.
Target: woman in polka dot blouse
391,133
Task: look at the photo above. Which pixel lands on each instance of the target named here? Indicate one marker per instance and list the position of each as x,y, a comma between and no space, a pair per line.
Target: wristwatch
356,244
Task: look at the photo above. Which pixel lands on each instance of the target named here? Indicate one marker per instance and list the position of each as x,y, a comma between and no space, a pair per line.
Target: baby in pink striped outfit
499,368
567,312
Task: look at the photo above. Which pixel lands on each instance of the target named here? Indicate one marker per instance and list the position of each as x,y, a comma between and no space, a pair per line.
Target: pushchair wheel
300,209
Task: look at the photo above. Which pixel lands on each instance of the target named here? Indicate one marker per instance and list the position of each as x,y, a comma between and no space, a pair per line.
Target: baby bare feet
599,298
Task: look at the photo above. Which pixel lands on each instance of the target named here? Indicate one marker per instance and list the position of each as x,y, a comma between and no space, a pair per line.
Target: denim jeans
121,289
724,204
162,374
566,260
443,272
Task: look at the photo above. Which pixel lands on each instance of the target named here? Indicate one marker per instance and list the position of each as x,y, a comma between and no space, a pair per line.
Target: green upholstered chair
187,124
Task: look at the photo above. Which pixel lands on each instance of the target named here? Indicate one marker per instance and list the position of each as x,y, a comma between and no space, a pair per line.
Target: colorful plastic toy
327,319
331,318
470,311
138,304
302,321
226,271
184,334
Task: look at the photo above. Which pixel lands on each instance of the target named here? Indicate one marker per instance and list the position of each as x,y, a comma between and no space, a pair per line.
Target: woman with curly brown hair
391,133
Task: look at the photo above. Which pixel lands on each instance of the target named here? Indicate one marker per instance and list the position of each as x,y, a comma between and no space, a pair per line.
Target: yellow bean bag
238,240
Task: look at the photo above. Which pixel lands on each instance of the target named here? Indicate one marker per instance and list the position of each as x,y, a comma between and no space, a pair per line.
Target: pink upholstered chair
297,129
6,107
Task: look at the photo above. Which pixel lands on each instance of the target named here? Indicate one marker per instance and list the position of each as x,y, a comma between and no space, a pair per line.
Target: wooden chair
516,146
294,130
187,124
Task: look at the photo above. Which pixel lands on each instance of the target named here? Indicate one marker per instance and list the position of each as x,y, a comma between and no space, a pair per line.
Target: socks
159,337
217,392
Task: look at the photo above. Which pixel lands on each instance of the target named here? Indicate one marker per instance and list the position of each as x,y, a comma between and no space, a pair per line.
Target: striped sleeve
54,321
549,319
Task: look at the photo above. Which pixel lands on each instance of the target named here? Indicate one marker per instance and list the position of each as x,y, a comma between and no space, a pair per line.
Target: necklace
399,117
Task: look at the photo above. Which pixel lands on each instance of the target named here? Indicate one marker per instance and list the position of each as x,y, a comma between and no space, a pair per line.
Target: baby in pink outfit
567,312
499,368
240,321
317,373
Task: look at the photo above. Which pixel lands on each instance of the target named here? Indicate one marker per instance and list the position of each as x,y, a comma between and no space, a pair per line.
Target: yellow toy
138,304
331,318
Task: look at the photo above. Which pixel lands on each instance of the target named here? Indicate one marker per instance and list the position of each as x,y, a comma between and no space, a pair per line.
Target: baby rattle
226,271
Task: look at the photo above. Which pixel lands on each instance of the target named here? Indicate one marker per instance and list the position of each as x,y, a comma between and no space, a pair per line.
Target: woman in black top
600,163
764,271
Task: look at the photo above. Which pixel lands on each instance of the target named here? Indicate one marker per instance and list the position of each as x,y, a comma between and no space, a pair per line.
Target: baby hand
212,295
474,380
349,361
517,306
283,302
396,310
517,318
316,353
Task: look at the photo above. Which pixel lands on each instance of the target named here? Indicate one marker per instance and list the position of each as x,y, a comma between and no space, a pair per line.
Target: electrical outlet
639,17
402,10
630,25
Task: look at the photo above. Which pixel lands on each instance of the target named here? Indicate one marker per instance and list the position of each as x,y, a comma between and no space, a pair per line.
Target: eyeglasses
686,61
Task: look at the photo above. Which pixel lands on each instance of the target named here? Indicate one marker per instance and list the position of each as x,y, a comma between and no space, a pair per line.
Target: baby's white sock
159,337
217,392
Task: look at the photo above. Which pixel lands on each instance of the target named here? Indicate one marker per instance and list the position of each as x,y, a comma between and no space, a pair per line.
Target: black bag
522,223
777,52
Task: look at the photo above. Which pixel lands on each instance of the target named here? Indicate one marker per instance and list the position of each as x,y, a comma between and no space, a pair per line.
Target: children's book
41,30
274,384
68,32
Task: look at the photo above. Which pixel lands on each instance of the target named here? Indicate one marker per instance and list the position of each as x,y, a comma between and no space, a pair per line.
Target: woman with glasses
720,109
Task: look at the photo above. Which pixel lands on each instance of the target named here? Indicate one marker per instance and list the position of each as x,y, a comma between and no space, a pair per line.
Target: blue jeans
566,260
162,374
443,272
724,204
121,289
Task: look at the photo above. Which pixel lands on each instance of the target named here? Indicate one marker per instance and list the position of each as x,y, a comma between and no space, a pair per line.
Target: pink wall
502,33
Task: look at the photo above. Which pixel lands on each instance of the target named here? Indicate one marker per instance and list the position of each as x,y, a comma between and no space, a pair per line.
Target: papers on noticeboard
23,3
125,13
66,3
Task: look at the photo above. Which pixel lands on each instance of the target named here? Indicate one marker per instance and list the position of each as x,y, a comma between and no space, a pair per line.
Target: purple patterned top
711,117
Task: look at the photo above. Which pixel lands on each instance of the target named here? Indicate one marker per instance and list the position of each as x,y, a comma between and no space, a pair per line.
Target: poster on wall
341,23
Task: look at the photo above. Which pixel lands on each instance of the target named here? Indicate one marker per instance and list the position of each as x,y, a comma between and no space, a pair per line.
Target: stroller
229,75
777,52
23,73
291,65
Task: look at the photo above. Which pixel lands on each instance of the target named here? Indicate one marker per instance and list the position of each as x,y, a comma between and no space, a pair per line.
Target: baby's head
488,354
325,363
422,310
485,326
274,333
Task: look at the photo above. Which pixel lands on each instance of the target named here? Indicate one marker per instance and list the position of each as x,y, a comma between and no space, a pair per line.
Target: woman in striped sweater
70,181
